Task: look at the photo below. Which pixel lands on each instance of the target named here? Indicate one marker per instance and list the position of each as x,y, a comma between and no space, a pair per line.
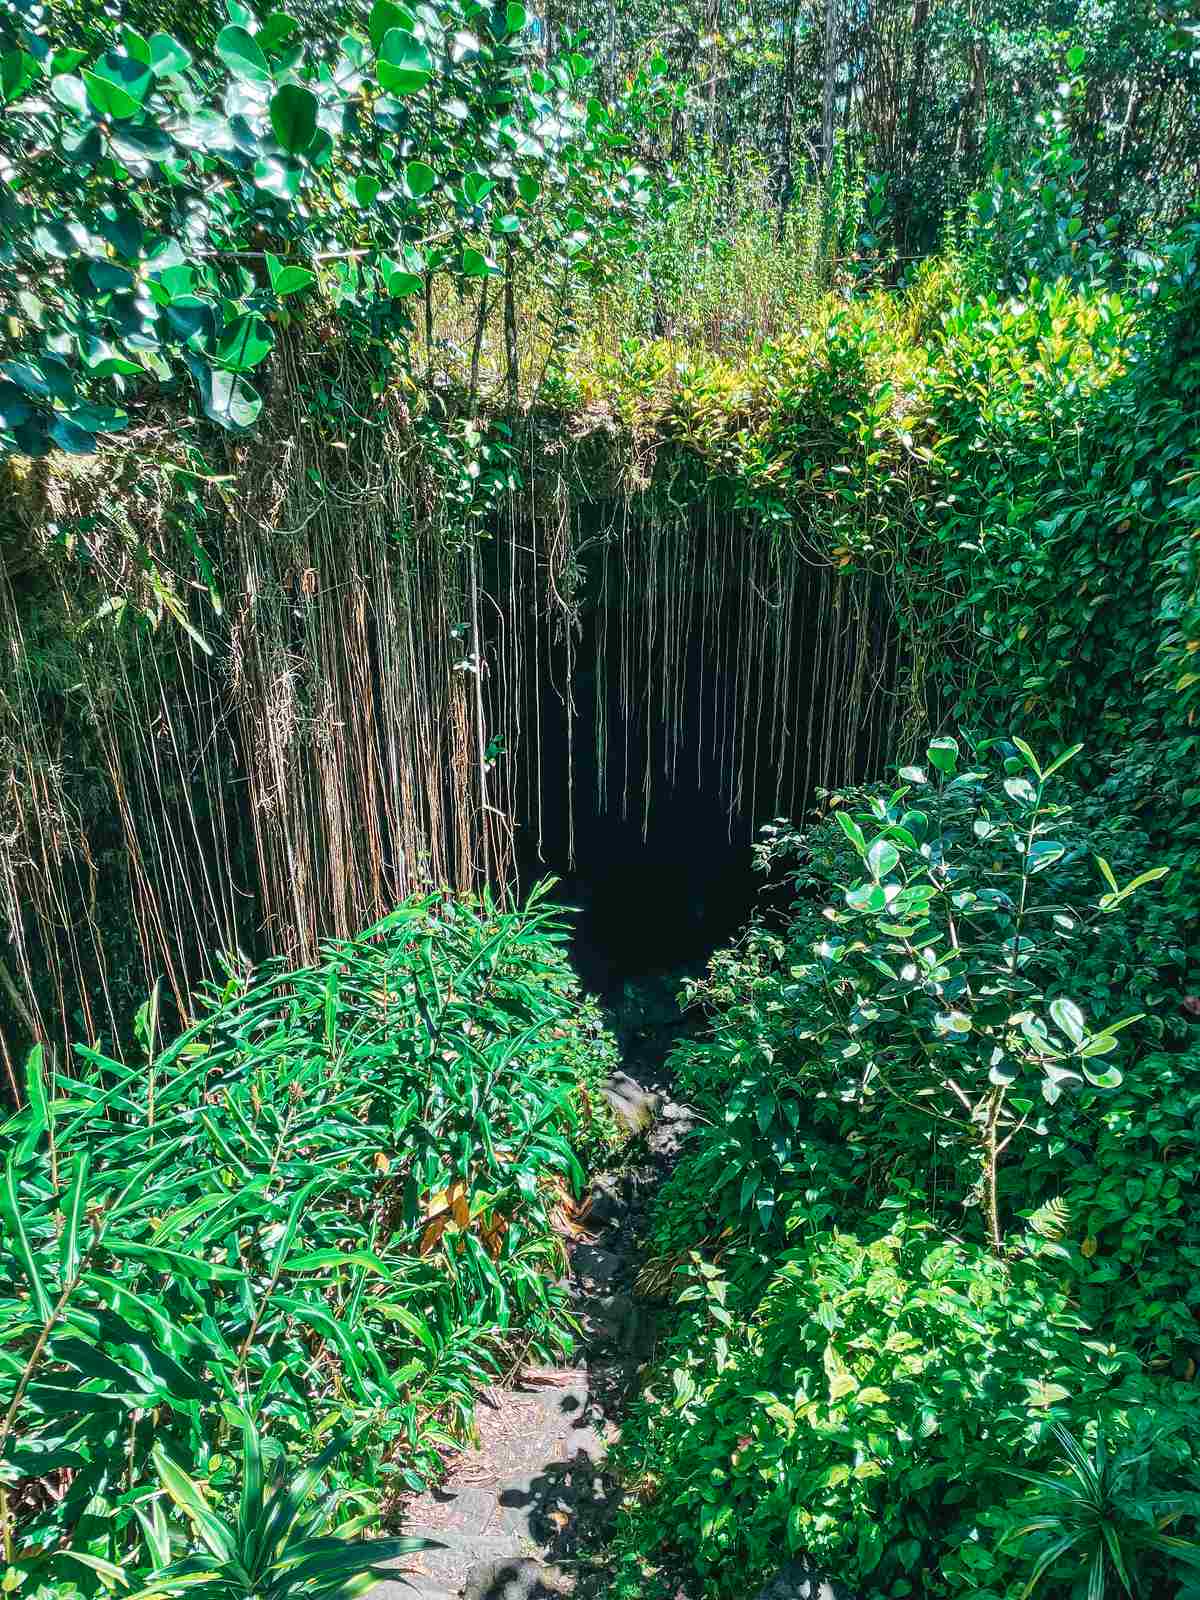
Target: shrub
330,1204
856,1401
928,1218
939,1002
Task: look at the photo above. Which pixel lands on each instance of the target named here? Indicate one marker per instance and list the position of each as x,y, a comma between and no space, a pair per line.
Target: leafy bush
329,1204
938,1002
928,1218
856,1398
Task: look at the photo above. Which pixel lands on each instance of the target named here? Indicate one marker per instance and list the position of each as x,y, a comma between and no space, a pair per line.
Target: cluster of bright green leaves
326,1204
159,213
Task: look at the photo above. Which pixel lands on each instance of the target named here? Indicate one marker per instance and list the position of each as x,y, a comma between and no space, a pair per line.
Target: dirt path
520,1516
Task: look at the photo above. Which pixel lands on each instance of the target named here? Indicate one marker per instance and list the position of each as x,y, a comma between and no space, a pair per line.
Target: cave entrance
704,679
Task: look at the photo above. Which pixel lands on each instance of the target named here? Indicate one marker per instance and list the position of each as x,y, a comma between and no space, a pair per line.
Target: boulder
634,1107
515,1578
596,1267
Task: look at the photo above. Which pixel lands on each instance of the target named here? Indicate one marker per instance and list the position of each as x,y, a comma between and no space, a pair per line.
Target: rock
515,1578
799,1581
608,1201
615,1319
668,1137
594,1265
634,1107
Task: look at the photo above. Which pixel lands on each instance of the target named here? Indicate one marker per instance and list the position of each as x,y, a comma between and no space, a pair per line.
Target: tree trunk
828,84
787,117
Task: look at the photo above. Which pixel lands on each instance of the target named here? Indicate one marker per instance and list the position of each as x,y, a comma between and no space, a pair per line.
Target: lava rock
608,1201
594,1265
616,1320
668,1137
515,1578
799,1581
634,1107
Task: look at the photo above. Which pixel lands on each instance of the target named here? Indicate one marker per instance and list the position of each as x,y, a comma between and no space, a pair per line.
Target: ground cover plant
322,1215
911,1249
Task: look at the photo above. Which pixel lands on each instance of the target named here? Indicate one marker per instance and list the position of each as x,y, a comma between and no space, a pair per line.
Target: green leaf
1110,1078
14,1222
366,189
1108,873
244,343
276,30
1044,853
943,754
385,16
476,265
420,177
1061,760
400,283
1076,56
1068,1018
71,92
404,64
68,436
1030,758
853,832
18,70
143,142
167,55
135,45
288,279
294,117
516,18
952,1023
189,1497
40,1113
242,56
110,99
278,175
177,1262
73,1221
882,858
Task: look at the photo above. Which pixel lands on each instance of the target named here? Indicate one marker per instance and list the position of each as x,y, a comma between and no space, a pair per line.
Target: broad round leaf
1068,1018
882,858
226,398
242,56
143,143
943,754
476,265
110,99
385,15
167,55
404,64
244,343
294,117
69,91
421,178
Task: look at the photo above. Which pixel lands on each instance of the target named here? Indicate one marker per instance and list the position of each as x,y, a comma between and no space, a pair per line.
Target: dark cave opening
655,902
659,886
703,680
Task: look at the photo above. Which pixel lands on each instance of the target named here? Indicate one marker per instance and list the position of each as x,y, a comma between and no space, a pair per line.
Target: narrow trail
523,1516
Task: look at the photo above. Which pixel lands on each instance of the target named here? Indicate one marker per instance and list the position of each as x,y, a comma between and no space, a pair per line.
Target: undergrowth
333,1207
940,1214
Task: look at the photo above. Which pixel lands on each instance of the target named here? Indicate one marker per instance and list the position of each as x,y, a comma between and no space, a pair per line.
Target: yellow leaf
840,1384
1089,1246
